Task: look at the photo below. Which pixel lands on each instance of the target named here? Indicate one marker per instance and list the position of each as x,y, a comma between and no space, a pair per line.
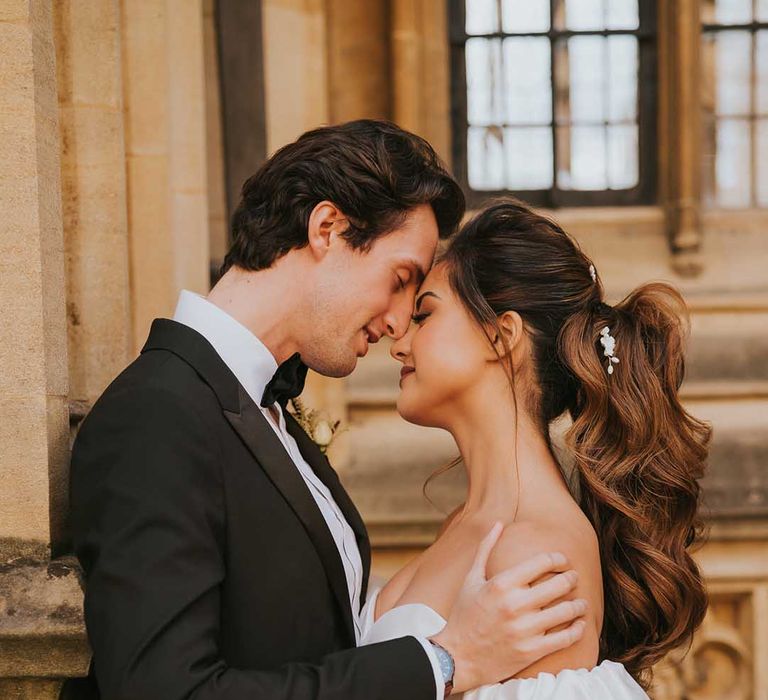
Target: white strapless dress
608,681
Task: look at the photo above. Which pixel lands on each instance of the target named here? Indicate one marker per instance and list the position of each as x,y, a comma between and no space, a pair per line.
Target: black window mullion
553,199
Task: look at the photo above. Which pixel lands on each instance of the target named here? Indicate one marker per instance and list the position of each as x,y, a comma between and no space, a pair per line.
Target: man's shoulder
155,377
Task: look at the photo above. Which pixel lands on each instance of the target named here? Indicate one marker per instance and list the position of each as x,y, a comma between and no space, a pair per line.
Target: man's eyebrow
422,296
420,272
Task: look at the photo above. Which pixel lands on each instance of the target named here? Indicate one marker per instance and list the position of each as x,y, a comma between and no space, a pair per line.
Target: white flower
322,433
609,347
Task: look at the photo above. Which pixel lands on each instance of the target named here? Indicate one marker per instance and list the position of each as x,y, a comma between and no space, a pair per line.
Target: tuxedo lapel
253,428
326,473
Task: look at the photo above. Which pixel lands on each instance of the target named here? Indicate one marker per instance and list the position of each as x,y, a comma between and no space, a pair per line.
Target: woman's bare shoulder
521,541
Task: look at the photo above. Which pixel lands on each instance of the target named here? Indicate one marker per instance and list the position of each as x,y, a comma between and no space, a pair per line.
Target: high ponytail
638,453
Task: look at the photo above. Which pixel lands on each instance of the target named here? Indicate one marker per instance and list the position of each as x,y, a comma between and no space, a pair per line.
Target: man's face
361,297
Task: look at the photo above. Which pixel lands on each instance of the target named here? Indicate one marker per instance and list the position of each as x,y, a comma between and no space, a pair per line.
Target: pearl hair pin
593,273
609,345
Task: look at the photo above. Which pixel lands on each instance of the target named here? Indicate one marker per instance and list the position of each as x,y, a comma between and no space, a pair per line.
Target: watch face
447,666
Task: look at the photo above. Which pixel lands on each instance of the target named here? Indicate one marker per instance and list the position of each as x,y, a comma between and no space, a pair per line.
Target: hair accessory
593,273
609,345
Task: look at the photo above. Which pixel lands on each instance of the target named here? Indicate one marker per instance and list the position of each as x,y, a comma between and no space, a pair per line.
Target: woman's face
444,354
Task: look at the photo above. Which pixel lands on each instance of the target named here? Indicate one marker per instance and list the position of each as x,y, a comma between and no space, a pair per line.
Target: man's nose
401,347
398,318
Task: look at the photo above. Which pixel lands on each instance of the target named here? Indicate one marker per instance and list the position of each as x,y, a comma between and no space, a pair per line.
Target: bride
510,333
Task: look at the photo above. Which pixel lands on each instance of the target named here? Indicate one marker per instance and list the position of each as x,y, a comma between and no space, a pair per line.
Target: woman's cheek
443,364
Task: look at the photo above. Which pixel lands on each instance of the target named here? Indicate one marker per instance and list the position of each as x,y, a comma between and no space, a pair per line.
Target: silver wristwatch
447,666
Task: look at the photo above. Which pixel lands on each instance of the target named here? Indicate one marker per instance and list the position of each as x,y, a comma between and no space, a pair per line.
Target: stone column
33,354
358,60
187,147
165,153
420,81
218,219
680,142
41,635
295,68
93,194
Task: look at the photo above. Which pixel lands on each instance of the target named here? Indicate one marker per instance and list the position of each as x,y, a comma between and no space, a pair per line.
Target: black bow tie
287,383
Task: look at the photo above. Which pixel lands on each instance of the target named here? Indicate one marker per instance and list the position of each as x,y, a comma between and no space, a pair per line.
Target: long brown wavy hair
638,453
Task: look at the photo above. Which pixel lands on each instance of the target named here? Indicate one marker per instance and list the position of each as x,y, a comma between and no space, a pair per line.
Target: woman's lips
405,371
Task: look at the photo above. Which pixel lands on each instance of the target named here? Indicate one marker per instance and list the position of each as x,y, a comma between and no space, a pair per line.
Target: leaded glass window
735,102
554,100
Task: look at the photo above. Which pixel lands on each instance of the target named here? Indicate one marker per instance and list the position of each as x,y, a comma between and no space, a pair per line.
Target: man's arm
148,516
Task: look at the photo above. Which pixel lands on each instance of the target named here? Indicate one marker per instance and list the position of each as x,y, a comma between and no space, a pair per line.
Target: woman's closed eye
419,318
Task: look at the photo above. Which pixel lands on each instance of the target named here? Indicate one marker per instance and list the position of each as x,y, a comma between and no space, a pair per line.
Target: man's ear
511,325
326,221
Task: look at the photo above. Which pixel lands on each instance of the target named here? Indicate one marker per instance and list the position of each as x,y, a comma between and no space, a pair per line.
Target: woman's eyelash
418,318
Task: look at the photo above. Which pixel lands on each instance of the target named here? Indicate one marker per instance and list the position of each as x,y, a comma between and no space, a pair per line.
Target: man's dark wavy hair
374,171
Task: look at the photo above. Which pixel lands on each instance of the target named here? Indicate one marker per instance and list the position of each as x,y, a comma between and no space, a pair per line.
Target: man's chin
337,368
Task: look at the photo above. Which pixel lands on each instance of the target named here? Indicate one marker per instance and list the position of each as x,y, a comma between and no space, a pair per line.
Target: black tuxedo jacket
210,571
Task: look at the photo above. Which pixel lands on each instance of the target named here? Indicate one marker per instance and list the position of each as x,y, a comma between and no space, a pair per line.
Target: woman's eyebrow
422,296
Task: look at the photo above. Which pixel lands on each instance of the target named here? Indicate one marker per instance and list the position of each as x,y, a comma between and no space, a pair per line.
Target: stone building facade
118,134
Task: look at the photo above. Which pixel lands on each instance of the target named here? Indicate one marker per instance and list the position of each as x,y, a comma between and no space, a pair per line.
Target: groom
223,558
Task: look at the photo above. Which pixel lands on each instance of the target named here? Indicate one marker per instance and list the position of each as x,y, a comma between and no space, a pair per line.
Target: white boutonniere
320,429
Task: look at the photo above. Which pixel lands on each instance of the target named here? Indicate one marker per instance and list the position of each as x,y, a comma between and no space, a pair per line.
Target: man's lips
405,371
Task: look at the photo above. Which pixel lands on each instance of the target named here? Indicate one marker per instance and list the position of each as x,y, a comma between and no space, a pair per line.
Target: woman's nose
401,347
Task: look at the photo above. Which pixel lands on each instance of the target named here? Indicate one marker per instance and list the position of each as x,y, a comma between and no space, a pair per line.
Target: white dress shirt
254,366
